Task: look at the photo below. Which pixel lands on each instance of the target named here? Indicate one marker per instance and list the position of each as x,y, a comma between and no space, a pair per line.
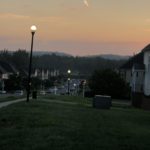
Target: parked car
18,92
52,90
2,92
42,92
62,91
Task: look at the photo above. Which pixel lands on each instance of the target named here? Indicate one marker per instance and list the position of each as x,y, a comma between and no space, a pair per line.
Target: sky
77,27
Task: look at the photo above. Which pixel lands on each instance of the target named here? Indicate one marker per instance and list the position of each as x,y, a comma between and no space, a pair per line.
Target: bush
108,82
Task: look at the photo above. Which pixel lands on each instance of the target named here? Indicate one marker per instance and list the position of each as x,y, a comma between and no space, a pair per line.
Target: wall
138,80
147,73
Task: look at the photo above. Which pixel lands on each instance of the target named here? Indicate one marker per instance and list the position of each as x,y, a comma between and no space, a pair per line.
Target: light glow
33,28
69,71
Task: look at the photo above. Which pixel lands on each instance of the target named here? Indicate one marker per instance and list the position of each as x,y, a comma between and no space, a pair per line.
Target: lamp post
69,72
33,30
75,88
84,88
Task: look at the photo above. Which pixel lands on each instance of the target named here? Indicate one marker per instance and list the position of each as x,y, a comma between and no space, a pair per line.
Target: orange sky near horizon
106,26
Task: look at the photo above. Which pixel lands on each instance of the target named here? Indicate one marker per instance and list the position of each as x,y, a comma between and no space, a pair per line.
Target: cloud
13,16
45,19
147,30
147,20
49,19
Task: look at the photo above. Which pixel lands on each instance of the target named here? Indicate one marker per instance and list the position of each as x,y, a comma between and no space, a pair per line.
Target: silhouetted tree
20,58
13,83
108,82
35,83
5,55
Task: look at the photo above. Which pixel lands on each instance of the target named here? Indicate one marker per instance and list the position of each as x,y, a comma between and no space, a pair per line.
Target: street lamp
75,88
69,72
33,30
84,83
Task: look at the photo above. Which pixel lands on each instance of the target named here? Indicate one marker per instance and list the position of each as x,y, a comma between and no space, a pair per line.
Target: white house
6,69
45,74
136,72
133,71
147,70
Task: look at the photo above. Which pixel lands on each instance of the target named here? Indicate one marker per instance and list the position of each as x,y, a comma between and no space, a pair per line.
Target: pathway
4,104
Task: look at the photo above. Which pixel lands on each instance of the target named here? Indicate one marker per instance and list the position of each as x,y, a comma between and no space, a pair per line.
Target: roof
139,66
6,67
147,48
137,59
2,70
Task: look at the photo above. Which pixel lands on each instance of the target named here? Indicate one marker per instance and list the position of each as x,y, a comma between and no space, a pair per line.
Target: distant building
54,73
45,74
136,72
6,69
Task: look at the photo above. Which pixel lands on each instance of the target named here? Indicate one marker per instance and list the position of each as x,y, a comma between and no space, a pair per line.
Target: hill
115,57
62,61
72,124
40,53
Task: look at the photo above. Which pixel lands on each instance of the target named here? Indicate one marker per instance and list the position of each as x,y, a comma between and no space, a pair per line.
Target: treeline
82,65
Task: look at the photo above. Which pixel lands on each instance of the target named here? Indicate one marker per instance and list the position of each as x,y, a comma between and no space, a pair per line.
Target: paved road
4,104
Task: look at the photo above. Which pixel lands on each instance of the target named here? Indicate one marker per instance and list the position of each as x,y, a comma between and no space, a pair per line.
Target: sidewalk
4,104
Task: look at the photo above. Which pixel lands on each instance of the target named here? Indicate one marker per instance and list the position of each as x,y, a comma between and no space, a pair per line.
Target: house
136,72
6,69
45,74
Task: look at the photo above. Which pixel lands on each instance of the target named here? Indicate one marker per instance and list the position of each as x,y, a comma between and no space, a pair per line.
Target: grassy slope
41,125
10,98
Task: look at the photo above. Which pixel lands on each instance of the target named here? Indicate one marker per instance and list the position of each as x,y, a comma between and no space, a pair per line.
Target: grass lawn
66,98
41,125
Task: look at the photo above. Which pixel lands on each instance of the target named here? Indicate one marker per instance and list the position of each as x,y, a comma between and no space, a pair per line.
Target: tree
13,83
20,59
35,83
108,82
5,55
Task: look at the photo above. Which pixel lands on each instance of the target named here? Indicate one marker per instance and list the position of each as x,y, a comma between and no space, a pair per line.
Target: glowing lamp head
33,29
69,71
